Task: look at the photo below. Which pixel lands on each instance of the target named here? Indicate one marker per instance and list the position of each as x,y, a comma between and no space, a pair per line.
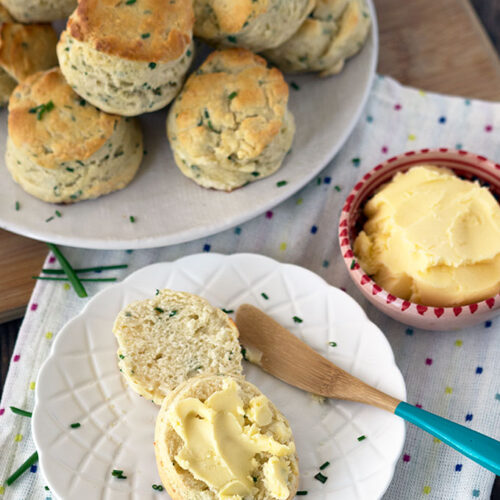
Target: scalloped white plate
80,382
168,207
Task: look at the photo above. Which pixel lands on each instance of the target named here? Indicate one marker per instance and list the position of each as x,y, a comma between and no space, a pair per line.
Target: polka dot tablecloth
456,375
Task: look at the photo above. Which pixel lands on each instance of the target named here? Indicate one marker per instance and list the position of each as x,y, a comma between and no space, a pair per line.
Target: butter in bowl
420,235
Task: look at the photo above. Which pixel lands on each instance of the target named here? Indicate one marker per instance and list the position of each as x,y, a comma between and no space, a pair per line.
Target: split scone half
127,58
220,438
40,11
24,50
231,125
335,31
172,337
61,149
253,24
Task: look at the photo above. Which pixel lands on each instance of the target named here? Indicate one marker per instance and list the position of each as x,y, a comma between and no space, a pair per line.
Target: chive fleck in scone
230,125
174,336
32,11
125,57
253,24
24,50
220,438
335,31
61,149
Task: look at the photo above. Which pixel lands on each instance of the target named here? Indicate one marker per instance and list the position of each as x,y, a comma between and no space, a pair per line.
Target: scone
172,337
61,149
335,31
32,11
127,58
253,24
24,50
230,125
219,438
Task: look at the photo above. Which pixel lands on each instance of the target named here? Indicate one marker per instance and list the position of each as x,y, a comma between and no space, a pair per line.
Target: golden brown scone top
27,48
5,16
233,99
69,129
140,30
231,15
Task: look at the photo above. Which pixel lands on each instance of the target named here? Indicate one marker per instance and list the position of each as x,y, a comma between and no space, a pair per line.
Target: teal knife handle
478,447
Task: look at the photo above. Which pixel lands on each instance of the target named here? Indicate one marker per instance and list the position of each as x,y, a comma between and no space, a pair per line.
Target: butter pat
224,442
432,238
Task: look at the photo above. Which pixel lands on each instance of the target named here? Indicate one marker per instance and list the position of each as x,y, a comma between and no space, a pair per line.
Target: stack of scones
72,100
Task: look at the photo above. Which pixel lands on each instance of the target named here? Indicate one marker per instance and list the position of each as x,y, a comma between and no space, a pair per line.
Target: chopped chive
145,35
281,183
254,479
157,292
23,468
256,174
84,280
118,474
172,313
294,86
244,353
338,188
301,493
59,214
130,2
73,278
324,466
121,356
228,311
47,488
132,219
152,65
232,95
232,39
361,438
82,102
332,344
159,309
296,319
49,219
97,269
75,425
264,296
157,487
321,478
42,109
353,263
188,53
18,206
24,413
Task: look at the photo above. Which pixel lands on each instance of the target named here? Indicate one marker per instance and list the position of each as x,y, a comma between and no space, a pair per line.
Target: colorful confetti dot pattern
455,375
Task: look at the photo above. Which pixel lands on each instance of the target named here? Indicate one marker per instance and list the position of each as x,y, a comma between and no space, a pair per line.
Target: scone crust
27,48
164,27
233,14
56,137
335,31
255,114
183,486
5,16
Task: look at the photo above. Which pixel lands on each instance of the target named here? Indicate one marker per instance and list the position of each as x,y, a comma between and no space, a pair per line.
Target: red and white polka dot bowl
466,165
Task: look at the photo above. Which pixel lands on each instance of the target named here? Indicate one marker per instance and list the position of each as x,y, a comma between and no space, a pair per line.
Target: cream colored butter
432,238
220,444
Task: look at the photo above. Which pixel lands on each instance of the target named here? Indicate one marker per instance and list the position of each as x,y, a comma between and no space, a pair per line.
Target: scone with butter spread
40,11
172,337
335,31
220,438
62,149
253,24
230,125
127,58
24,50
432,238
